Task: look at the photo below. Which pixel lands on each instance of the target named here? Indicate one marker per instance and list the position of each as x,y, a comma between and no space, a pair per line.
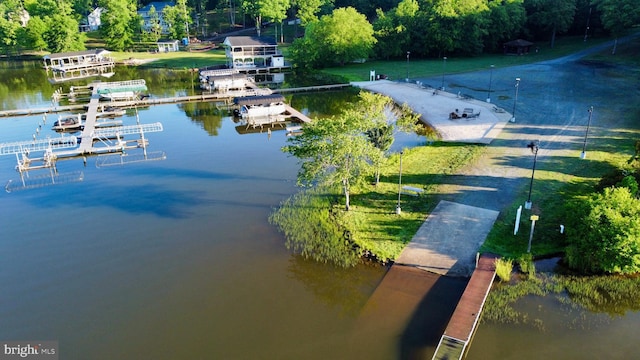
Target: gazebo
517,47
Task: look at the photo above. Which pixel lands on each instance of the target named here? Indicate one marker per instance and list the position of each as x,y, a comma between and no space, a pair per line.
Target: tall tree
341,37
551,16
62,34
618,16
506,20
118,23
255,9
178,19
334,152
307,10
276,11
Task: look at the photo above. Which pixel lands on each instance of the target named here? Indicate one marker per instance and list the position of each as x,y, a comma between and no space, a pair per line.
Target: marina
95,139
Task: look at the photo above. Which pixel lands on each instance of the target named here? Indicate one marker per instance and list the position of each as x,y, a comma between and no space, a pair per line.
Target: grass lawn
421,68
372,219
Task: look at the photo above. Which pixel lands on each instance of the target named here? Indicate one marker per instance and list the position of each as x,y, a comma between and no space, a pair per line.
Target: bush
525,262
504,268
312,230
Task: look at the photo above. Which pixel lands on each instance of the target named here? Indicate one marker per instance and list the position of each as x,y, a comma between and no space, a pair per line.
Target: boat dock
459,332
446,244
226,96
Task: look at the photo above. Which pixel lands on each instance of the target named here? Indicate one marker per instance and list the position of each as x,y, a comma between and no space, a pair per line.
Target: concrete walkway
448,240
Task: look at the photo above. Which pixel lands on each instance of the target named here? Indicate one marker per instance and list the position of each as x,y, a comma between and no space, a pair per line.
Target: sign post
533,218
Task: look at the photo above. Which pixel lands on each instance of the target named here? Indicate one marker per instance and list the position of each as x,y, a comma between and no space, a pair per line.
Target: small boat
68,123
76,122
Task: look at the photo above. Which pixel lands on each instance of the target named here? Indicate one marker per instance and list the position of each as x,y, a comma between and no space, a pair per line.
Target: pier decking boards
457,336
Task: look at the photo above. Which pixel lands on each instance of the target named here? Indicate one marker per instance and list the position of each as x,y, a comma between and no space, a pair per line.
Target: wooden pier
223,96
459,332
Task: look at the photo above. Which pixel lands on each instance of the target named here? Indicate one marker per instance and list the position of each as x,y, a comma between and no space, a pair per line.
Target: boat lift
43,154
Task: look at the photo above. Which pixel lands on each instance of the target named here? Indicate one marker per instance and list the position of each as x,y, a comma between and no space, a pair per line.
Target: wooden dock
223,96
459,332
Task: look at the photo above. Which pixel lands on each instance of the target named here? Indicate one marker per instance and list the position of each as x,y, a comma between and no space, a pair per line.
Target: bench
413,191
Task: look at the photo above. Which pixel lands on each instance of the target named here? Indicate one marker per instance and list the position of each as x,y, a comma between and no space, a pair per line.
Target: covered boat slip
265,106
78,65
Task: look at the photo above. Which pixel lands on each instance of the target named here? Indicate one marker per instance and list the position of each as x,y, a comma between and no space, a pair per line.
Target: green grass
372,220
176,60
421,68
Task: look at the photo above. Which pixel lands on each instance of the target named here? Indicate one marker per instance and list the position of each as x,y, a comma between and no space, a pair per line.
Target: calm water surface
175,259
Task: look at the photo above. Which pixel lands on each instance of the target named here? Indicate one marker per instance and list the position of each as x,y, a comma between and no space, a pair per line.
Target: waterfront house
147,21
251,52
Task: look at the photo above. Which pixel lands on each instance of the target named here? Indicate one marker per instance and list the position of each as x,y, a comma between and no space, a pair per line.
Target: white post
517,225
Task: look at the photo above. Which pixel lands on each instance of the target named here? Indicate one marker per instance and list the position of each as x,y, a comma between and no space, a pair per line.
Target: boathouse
251,53
78,64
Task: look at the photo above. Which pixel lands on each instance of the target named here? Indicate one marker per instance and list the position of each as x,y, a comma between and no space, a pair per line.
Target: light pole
513,119
490,78
408,53
444,64
583,154
398,209
534,146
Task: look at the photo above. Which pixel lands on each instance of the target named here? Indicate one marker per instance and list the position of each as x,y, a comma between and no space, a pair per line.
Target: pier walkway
457,336
447,243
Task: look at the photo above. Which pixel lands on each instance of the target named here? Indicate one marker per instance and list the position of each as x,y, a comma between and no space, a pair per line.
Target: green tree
392,30
341,37
276,11
154,32
607,237
118,23
551,16
334,152
34,34
618,16
178,19
307,10
10,11
506,21
255,9
62,34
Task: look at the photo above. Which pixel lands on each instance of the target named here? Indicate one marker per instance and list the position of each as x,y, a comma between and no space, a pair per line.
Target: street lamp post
408,53
398,209
534,146
490,78
515,101
444,64
583,154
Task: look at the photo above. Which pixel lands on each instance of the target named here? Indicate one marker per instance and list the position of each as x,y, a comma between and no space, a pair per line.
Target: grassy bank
373,222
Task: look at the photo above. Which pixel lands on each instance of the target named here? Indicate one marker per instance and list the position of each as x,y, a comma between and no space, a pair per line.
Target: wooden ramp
291,112
457,336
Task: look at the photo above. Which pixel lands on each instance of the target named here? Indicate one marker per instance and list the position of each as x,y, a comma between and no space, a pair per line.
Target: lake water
175,259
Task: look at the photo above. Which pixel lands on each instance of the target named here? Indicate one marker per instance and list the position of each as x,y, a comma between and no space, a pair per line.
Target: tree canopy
607,235
343,36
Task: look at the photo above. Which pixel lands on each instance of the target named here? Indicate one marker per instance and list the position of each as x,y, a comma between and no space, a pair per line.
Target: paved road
553,101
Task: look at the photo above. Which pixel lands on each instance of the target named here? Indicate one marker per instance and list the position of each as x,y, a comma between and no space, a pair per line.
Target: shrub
504,268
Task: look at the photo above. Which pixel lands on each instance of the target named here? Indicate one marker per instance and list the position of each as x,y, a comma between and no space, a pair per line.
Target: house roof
76,53
158,5
259,100
249,41
518,43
